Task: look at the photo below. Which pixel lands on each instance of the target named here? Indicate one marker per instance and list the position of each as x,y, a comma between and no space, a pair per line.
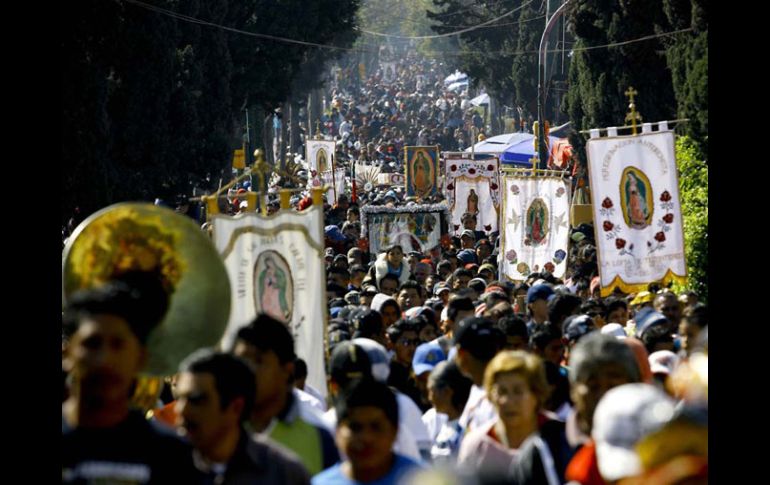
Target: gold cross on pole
262,169
317,129
633,116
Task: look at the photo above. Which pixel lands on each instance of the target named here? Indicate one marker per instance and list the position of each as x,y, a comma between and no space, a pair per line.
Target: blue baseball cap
539,292
426,356
646,318
466,256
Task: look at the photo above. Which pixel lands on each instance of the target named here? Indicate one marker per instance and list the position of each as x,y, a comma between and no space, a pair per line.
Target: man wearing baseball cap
537,305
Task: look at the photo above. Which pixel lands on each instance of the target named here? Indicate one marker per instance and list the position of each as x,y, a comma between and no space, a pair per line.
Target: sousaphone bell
129,237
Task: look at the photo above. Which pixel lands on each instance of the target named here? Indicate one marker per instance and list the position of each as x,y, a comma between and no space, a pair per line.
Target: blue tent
519,153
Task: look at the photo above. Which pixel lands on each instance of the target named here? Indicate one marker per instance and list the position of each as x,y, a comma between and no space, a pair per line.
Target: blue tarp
520,153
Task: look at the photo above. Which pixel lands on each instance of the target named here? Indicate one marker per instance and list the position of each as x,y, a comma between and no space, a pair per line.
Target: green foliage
153,105
693,192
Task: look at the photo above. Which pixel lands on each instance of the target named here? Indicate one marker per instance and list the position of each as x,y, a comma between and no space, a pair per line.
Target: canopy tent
520,153
480,100
456,77
498,143
458,86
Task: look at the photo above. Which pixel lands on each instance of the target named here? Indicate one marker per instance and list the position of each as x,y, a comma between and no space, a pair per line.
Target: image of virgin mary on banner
472,186
319,154
535,225
421,171
636,210
417,227
275,266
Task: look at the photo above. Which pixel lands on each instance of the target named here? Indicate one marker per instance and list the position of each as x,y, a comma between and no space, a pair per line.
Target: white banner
473,186
536,226
319,154
276,266
335,183
636,210
416,227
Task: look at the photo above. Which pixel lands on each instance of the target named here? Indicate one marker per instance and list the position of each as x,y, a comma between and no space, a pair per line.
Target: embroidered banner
336,184
536,226
276,266
416,227
319,154
472,186
636,211
421,171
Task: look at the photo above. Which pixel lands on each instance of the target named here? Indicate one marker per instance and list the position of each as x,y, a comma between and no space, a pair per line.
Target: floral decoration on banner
511,256
560,191
515,189
488,227
523,268
607,208
620,245
664,223
611,229
559,256
549,267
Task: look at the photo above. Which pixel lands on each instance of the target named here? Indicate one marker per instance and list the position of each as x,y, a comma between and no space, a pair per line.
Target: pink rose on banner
620,243
549,267
608,226
511,256
660,237
515,189
560,191
668,218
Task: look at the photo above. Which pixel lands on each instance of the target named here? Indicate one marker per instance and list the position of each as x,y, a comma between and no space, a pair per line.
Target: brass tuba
128,237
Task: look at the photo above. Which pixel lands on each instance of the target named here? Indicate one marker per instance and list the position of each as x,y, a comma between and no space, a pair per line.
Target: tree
693,191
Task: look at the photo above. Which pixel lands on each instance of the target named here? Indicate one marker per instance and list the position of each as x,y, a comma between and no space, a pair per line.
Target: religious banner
276,266
389,72
636,210
319,154
416,227
367,177
336,184
390,179
536,226
421,171
472,186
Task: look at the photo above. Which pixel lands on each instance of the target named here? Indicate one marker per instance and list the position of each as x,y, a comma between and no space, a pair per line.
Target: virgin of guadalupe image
272,285
473,202
535,222
422,178
636,201
321,160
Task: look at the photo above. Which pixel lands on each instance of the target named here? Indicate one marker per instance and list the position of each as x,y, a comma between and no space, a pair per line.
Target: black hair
388,276
367,323
138,297
560,383
458,304
656,334
233,376
267,333
443,264
478,286
367,393
613,303
337,269
543,335
696,315
412,284
561,306
402,325
513,326
592,304
446,374
300,368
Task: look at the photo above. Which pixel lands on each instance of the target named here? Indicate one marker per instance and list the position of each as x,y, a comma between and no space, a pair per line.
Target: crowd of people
438,369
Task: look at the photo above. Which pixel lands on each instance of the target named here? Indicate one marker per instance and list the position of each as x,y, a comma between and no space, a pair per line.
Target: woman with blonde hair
525,442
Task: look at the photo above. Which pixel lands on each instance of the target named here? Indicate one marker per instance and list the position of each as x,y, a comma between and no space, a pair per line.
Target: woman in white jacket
391,261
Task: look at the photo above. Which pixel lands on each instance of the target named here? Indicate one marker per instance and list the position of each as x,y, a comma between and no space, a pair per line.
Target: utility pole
542,150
